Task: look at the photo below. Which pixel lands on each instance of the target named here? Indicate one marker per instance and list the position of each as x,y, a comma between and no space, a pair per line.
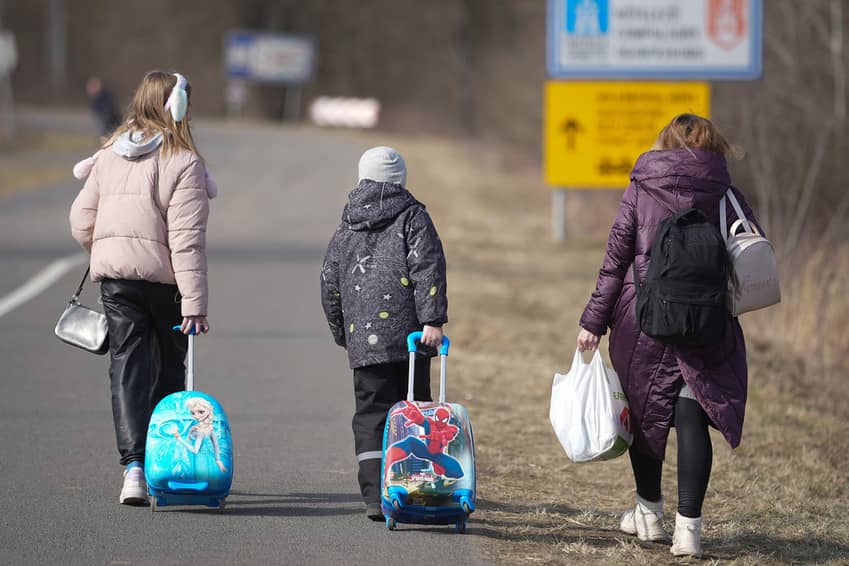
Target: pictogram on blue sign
587,17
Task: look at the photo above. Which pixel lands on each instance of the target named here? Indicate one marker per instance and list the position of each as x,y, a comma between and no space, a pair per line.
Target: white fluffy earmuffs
178,100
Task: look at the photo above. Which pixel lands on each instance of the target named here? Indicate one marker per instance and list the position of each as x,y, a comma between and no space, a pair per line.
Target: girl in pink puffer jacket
142,215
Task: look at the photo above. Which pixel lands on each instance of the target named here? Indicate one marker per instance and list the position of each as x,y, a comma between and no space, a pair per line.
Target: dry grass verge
814,314
515,298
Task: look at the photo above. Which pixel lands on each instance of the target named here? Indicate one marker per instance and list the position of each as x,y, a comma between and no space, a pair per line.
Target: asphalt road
269,360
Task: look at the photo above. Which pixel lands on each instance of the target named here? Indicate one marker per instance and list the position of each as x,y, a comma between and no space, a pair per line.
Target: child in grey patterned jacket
383,277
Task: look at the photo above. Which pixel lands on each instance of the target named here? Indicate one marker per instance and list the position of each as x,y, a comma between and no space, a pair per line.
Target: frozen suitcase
189,449
428,471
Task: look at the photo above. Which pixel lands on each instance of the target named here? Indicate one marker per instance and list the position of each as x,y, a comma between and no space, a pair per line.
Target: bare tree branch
766,167
837,60
800,216
778,47
811,11
838,219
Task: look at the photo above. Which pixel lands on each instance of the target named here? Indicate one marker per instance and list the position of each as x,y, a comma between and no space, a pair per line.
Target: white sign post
8,62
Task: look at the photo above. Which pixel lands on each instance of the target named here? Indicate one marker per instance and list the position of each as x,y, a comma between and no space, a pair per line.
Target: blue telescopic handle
179,327
416,336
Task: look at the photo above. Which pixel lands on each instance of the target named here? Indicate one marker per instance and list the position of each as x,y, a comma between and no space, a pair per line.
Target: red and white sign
345,112
727,25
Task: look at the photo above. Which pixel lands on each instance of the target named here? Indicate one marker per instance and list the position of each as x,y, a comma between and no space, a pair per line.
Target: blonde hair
200,402
147,114
688,131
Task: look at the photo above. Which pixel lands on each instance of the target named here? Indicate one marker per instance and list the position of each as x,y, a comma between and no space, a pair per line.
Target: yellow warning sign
594,131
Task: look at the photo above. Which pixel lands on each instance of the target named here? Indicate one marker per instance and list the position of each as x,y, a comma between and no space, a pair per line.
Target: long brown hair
147,114
689,130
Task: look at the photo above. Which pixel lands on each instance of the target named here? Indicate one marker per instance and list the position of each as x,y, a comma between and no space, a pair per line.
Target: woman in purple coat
690,387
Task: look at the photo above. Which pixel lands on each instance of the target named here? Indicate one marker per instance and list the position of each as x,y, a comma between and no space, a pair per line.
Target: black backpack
682,300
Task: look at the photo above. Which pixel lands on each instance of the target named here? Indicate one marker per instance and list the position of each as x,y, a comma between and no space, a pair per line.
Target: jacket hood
372,204
686,162
132,145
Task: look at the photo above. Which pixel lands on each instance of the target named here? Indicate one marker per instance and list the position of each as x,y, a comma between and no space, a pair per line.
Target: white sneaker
687,540
134,491
645,520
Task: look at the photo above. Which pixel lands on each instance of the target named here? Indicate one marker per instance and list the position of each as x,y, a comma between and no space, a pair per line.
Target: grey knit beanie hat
383,164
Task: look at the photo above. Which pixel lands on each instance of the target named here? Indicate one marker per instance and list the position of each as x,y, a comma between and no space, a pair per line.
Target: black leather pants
147,357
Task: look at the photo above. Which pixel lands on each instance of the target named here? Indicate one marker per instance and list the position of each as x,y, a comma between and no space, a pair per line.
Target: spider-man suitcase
428,472
189,449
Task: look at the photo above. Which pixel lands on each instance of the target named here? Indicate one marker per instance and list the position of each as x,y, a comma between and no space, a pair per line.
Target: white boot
645,520
687,540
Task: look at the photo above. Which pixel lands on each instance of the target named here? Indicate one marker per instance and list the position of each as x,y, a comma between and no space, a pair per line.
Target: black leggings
695,456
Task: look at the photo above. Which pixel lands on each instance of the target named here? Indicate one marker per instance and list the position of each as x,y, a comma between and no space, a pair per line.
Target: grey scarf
132,145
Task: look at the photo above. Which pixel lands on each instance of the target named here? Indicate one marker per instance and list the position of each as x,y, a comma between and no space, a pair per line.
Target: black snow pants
376,389
147,356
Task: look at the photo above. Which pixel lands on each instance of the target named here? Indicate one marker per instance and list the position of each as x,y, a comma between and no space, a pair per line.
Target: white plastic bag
589,411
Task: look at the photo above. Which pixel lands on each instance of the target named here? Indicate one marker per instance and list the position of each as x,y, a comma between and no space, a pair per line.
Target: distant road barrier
345,112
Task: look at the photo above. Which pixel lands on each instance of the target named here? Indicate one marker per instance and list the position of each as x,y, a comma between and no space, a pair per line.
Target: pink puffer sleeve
188,211
617,259
84,212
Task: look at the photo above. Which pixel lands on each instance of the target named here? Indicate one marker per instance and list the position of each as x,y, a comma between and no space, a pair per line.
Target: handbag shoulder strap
723,223
76,297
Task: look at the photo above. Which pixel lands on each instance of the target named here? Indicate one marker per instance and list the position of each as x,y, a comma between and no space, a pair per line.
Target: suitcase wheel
460,527
397,497
391,524
153,500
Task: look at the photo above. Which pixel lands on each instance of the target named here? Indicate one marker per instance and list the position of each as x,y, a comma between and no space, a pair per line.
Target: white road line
40,282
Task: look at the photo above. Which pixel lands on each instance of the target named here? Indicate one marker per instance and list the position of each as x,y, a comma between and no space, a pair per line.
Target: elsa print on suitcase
191,441
207,454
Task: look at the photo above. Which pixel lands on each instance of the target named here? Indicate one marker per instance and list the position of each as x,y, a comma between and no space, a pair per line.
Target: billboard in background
655,39
594,131
269,57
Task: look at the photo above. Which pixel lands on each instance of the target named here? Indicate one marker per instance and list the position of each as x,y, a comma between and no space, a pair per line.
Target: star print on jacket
390,245
361,264
413,251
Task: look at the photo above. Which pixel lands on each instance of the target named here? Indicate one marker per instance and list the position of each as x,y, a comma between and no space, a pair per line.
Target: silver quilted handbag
753,282
81,326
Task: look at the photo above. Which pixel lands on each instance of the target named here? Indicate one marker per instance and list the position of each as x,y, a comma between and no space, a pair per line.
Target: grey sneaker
134,491
645,520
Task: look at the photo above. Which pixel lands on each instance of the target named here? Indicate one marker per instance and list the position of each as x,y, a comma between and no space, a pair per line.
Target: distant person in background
142,215
103,105
690,387
383,278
